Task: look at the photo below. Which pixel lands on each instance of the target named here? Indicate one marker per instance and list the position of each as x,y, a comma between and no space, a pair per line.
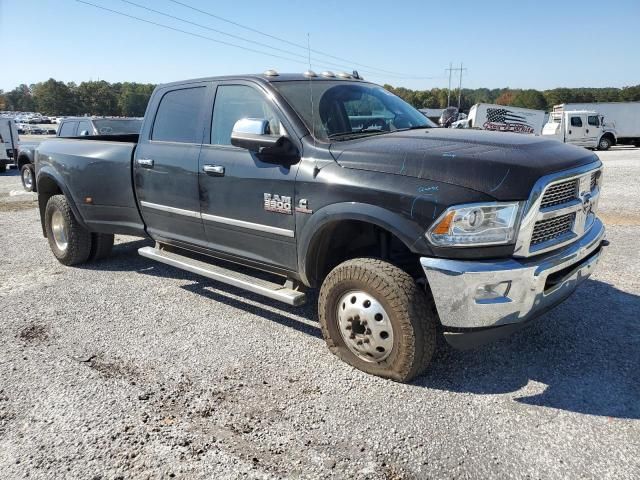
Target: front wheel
70,242
604,143
27,177
375,317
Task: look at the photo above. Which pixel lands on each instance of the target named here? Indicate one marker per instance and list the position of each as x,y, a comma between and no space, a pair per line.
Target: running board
272,290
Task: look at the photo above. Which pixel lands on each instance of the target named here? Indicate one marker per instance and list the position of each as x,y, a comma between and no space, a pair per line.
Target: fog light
491,292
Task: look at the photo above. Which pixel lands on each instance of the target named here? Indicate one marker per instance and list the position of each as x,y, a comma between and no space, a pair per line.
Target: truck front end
558,242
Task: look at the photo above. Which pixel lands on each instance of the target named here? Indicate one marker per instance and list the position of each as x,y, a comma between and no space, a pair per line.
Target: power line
237,37
298,45
190,33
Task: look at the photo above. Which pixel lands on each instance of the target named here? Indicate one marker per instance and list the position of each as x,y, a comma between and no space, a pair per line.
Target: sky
528,44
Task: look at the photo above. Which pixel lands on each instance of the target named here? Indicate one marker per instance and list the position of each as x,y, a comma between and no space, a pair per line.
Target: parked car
402,228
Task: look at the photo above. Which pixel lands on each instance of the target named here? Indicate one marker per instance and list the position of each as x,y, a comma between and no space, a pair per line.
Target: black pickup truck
331,182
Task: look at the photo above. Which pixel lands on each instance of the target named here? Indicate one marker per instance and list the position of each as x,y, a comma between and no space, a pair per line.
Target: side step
247,282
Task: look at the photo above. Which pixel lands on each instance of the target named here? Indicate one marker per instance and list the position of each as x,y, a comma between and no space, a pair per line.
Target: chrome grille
552,228
561,210
560,193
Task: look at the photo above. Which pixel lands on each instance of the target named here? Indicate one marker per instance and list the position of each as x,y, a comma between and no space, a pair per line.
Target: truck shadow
583,356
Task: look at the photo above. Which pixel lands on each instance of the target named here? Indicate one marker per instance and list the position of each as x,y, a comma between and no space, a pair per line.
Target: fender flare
22,153
406,230
49,173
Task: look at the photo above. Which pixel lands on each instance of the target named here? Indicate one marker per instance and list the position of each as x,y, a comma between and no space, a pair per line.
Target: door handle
214,170
587,130
145,162
569,132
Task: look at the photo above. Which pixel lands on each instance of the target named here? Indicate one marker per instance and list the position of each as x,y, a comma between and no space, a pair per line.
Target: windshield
343,110
116,126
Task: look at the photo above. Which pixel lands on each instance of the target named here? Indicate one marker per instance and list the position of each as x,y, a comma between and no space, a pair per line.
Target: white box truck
584,128
8,142
621,117
502,118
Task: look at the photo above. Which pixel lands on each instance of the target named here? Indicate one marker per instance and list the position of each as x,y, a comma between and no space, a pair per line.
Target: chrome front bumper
491,293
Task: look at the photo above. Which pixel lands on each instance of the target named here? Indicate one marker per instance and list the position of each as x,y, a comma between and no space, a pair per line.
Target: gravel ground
131,369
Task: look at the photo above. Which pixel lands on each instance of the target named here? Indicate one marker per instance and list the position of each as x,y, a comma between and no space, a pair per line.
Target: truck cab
583,128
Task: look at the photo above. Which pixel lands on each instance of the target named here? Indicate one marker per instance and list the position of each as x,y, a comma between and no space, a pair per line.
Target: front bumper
493,293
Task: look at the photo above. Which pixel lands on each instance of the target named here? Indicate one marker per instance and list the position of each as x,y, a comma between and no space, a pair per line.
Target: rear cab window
85,128
178,118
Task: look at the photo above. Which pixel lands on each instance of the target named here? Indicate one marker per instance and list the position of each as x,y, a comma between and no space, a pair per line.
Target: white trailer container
8,142
502,118
622,117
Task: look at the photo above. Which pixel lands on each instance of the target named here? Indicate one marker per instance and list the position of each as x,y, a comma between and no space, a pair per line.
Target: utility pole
449,90
451,70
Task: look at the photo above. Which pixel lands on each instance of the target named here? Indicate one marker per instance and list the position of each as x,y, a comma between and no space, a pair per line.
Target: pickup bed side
96,176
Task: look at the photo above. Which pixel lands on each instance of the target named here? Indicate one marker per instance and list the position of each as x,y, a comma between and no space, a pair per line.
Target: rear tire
101,245
70,242
375,317
28,178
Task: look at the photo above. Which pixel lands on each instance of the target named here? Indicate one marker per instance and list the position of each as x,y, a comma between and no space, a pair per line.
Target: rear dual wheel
70,242
376,318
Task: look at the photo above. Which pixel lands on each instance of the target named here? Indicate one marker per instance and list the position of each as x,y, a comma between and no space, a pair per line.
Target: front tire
604,143
70,242
375,317
28,178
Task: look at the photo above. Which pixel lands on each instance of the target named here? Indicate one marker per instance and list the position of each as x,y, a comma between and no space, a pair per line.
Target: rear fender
49,182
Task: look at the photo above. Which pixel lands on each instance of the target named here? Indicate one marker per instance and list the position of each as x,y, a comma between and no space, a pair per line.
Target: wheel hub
59,230
365,326
27,177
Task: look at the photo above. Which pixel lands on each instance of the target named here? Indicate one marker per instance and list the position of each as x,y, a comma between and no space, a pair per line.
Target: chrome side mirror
252,134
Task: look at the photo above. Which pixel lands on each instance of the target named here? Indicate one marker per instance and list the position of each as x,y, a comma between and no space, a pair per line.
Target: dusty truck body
335,184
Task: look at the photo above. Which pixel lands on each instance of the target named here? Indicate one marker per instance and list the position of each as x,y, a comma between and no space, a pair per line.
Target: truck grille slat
560,193
552,228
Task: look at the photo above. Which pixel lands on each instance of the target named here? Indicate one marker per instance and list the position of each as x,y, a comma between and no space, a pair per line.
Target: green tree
530,99
20,99
53,98
133,99
97,98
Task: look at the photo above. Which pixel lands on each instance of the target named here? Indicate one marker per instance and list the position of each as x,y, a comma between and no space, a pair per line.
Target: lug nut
348,327
359,342
366,340
368,332
352,336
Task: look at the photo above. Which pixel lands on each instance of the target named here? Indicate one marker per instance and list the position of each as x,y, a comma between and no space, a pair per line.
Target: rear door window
576,122
179,116
68,129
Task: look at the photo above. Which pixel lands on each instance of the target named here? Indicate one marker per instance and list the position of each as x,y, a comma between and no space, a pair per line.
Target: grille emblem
587,203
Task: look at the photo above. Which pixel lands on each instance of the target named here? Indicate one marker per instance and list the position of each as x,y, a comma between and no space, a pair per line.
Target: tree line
529,98
130,99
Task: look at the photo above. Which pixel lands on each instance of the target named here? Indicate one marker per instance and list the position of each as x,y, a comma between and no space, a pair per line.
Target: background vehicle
621,117
503,118
401,227
583,128
432,114
9,141
83,126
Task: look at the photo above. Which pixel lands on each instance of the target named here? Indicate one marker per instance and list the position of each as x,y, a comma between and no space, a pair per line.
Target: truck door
592,130
166,164
234,183
576,129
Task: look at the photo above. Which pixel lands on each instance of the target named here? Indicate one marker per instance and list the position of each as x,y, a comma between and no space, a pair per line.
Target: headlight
475,224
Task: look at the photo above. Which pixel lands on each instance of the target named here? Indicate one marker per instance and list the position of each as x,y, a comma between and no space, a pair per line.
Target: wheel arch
48,184
315,240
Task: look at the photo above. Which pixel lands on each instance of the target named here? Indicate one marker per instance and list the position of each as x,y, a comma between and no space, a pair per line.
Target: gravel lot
131,369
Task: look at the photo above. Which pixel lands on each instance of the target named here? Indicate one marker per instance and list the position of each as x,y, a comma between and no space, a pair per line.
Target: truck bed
98,174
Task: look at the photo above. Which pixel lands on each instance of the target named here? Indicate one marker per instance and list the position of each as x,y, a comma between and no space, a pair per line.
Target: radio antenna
313,116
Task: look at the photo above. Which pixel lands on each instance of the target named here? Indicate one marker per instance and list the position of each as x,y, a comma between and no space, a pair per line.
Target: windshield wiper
362,133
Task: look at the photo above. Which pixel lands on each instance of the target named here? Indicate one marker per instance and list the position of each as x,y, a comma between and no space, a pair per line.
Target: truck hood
502,165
